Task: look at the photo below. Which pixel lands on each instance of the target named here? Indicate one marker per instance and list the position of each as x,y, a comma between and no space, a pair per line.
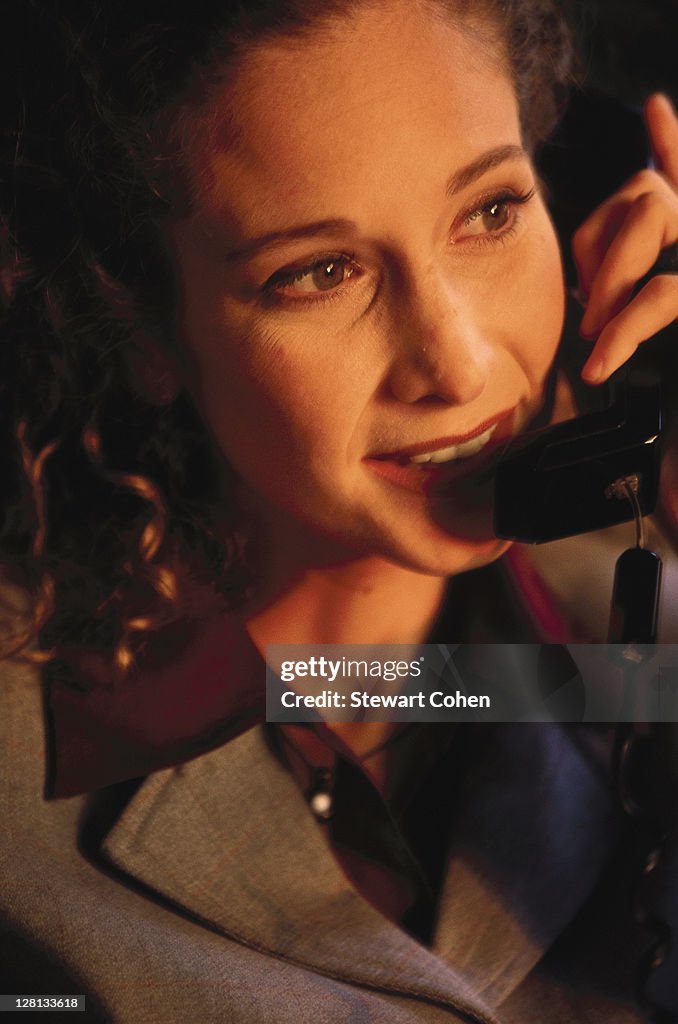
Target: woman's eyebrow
459,180
486,162
267,241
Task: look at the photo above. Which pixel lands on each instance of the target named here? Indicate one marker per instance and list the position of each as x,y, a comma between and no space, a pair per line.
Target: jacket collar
229,840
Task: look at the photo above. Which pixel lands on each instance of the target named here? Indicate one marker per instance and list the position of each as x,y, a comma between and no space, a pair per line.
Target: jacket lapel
229,839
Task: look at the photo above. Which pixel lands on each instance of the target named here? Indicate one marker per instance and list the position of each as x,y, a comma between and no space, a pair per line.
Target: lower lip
408,477
421,481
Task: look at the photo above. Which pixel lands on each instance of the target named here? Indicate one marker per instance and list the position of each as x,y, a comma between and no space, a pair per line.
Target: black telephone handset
593,472
559,481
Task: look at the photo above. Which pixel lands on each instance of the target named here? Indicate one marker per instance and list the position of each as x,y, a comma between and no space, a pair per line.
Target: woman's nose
440,352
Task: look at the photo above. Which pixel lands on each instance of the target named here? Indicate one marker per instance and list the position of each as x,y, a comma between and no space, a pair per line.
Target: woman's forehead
357,104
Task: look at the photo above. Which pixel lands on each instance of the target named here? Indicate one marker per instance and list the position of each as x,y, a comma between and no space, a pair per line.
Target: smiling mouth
421,467
450,453
442,451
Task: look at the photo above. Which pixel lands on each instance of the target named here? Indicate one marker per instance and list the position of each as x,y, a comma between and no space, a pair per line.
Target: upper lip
446,442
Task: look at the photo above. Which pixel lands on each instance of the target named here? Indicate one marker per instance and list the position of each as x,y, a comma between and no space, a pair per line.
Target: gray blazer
210,894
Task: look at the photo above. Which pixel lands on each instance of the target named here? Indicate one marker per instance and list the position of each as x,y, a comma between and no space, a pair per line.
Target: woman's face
368,277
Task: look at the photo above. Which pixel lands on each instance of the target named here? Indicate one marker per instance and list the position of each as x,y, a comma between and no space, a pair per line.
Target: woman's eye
489,218
496,216
320,276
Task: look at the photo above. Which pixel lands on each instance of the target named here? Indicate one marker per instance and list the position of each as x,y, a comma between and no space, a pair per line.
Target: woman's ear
153,372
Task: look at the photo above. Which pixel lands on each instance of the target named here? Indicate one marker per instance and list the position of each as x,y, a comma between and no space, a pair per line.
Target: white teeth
442,455
455,451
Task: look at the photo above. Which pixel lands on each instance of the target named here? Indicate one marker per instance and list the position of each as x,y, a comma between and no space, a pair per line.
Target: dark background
629,48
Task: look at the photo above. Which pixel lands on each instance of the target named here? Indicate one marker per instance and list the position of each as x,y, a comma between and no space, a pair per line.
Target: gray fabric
214,896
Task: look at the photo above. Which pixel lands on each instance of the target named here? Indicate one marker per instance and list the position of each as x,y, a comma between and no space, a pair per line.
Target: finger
651,224
654,308
593,238
662,128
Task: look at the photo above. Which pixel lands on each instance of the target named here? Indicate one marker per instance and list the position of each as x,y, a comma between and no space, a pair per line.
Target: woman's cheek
538,306
274,403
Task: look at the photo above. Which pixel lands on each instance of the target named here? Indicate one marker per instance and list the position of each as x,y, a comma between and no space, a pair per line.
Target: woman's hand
620,243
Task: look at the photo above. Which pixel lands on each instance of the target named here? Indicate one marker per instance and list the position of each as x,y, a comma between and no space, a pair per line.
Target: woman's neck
366,601
311,594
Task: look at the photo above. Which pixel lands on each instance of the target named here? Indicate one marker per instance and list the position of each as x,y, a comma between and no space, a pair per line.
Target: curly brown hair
113,521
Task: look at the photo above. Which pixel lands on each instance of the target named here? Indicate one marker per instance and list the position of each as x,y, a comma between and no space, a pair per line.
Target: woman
322,229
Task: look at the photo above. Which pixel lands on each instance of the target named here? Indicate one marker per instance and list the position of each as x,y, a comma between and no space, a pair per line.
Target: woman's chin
461,555
447,551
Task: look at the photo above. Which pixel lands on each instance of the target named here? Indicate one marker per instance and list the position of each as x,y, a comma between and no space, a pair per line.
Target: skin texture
447,318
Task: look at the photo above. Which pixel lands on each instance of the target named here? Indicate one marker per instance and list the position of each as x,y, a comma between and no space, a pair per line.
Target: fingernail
593,371
667,99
